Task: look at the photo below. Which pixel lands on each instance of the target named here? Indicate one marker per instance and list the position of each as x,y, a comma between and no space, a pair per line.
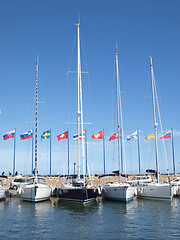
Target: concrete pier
58,181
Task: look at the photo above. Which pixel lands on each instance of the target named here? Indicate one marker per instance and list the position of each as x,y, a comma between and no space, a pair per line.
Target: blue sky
140,28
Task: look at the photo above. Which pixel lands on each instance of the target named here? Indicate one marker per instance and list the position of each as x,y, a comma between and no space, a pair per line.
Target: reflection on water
74,207
36,207
3,203
57,219
120,207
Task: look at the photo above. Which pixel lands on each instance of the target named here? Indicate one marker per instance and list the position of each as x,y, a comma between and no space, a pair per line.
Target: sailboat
79,190
118,191
36,189
155,190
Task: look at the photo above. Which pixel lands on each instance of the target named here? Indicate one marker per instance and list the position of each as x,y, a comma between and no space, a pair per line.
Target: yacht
118,191
155,190
79,190
36,189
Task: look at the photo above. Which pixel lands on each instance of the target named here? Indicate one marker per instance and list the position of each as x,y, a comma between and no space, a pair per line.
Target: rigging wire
147,154
160,119
122,126
114,119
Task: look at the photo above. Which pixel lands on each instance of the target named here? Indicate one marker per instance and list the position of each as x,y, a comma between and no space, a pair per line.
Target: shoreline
96,180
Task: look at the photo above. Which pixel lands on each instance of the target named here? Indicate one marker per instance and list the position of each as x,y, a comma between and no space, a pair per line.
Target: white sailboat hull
36,192
2,193
178,190
118,192
156,191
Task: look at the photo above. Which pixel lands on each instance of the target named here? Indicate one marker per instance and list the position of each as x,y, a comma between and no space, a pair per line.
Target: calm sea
139,219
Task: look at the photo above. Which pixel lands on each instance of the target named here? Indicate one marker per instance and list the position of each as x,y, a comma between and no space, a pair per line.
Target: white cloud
176,133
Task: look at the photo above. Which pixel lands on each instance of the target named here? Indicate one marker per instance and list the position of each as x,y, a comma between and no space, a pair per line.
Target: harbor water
55,219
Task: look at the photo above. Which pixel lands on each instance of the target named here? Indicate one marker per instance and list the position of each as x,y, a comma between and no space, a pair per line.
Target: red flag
63,136
114,136
98,135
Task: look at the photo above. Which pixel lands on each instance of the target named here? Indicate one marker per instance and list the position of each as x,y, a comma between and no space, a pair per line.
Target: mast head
78,22
150,60
116,47
116,52
37,60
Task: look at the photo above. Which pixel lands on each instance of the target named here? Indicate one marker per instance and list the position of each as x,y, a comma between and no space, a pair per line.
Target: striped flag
8,135
26,135
75,137
167,135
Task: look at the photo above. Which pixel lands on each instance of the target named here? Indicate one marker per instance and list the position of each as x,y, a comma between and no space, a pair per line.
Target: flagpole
86,152
68,152
173,151
32,149
121,150
139,152
50,152
104,153
14,152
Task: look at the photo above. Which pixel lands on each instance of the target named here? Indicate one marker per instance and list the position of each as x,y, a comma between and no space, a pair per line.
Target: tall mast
118,121
80,106
81,103
82,128
155,123
36,118
78,111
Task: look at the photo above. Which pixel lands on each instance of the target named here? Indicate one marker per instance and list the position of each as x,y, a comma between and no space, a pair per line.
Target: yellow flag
150,136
